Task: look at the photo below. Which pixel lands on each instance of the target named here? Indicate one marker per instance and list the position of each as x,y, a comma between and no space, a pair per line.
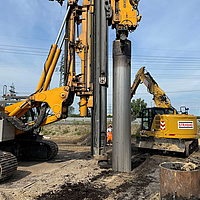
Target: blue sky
166,43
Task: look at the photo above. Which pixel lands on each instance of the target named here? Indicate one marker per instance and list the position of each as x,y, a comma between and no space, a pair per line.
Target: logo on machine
185,125
162,125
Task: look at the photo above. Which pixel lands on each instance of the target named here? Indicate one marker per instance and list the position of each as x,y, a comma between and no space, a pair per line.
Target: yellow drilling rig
21,120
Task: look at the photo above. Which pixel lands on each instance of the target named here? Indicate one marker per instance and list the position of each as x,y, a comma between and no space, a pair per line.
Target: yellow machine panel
174,126
127,15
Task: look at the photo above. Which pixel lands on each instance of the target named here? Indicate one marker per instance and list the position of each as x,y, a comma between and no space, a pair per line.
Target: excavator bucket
167,144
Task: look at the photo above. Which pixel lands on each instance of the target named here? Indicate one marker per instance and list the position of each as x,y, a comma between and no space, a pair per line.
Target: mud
175,197
189,167
76,191
180,166
74,174
167,146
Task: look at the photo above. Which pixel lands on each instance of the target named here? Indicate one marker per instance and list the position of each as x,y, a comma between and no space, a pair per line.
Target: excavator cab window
159,112
148,115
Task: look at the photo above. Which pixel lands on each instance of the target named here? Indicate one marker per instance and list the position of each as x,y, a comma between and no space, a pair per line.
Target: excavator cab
148,115
163,129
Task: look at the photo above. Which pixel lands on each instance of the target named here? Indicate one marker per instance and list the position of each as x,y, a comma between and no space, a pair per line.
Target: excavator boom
159,96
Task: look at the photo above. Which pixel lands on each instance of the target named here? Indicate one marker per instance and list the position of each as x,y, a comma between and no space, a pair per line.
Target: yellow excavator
163,127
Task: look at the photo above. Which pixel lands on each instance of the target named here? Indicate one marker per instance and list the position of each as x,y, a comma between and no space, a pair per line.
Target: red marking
162,125
172,134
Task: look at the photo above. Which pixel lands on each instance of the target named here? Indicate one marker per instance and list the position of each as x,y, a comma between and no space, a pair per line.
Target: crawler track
8,165
40,150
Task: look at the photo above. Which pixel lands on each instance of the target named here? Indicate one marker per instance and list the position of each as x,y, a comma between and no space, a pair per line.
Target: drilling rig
19,137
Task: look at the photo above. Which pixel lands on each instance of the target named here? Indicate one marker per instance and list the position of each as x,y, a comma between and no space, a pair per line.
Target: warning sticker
162,125
185,125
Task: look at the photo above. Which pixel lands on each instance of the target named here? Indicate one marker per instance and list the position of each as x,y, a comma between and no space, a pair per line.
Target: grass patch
44,132
78,133
81,123
65,131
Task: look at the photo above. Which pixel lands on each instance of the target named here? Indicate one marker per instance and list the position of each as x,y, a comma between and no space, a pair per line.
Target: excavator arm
159,96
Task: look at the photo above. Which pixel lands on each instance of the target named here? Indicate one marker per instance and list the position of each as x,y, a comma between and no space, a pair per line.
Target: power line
182,91
25,37
6,45
166,49
22,50
172,57
170,68
24,53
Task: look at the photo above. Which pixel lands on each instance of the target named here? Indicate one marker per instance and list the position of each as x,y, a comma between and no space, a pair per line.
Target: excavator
163,127
22,117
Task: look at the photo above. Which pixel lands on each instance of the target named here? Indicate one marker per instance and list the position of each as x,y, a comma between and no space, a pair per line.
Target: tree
137,105
70,110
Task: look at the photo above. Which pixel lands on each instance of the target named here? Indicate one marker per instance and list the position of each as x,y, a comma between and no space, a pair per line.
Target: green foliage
75,123
89,112
65,131
45,132
78,133
53,133
70,110
137,106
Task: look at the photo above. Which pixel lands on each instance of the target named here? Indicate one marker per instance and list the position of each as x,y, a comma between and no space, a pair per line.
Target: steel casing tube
121,155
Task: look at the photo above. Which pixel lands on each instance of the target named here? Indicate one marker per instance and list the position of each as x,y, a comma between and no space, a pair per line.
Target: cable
23,53
6,45
24,37
182,91
22,50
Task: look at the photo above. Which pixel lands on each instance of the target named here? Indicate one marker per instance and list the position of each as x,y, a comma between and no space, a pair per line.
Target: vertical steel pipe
96,75
100,91
91,66
121,155
104,71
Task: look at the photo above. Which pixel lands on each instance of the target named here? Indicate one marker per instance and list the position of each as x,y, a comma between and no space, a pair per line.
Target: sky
166,42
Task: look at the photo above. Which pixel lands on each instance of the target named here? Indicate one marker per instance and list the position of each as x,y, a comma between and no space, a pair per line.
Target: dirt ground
73,174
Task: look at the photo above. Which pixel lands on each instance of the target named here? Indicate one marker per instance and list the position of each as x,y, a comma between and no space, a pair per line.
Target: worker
109,135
